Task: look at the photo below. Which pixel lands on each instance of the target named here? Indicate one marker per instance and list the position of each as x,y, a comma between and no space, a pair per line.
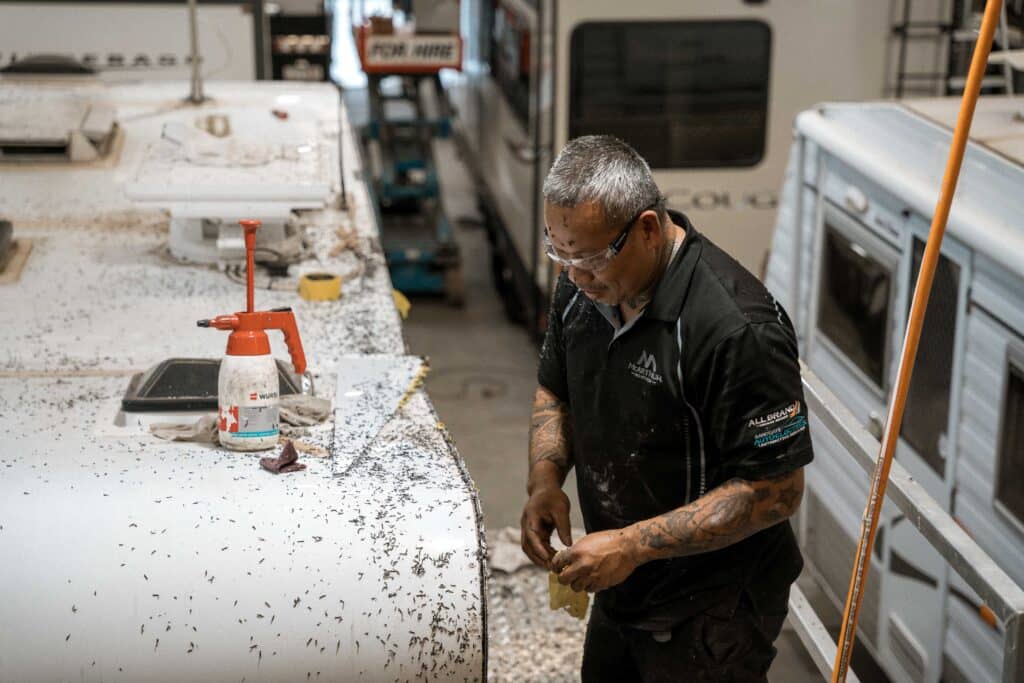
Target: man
669,381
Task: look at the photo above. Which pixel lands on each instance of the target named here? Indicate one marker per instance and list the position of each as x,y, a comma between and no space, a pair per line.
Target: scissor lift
408,110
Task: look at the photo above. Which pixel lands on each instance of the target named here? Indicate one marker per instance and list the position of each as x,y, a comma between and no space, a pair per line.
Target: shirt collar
667,302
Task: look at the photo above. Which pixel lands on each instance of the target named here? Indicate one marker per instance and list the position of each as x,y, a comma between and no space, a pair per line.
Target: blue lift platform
417,237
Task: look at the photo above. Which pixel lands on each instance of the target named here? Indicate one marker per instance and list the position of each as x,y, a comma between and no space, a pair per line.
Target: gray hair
603,169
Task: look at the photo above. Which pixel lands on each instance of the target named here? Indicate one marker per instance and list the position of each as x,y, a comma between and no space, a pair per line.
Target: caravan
707,95
861,185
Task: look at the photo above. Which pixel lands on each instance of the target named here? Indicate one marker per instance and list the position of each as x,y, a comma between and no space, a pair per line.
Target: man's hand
550,461
546,510
725,515
597,561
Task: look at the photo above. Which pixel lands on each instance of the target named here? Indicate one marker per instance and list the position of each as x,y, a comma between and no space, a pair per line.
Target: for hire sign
389,51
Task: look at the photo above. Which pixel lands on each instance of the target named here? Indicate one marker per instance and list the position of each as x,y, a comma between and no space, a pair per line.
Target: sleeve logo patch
780,432
787,413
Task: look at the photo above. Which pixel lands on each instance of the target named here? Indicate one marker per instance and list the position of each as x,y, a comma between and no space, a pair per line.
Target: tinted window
927,412
684,94
1010,482
853,309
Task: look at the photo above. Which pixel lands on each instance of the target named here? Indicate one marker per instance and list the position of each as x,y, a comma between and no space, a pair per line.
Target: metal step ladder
418,239
1010,58
937,33
408,112
953,30
997,79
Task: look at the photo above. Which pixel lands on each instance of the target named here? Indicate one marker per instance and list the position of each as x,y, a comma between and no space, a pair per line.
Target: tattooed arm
550,448
547,508
725,515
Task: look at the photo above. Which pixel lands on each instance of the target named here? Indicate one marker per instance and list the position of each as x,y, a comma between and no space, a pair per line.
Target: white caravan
706,91
860,190
103,527
151,42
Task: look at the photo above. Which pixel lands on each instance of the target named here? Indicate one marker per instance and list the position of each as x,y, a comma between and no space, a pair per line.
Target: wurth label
250,421
262,395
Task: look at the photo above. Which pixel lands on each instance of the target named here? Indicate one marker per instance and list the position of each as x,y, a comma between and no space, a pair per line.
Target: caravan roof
887,142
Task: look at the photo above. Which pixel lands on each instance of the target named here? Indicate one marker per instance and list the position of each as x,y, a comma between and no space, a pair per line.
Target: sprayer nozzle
202,323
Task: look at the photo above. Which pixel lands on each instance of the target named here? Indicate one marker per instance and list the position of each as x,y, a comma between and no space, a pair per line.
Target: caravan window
685,94
1009,487
926,419
510,59
853,309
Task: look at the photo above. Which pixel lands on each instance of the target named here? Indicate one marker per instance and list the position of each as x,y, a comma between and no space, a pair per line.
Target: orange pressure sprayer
248,389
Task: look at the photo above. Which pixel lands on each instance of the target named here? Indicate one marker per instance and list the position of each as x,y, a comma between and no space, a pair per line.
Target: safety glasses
594,263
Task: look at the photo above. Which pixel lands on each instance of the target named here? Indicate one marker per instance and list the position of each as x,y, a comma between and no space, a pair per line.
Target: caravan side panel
995,344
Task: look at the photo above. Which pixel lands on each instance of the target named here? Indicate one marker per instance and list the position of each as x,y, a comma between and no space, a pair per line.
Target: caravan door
927,435
707,93
916,585
863,278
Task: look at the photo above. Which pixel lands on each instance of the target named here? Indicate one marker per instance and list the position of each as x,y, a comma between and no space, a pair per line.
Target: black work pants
737,649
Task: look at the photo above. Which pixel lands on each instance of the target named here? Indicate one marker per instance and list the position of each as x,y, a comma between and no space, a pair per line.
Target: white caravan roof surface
904,147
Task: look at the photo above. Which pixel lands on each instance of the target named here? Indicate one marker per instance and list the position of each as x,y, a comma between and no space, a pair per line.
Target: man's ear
651,228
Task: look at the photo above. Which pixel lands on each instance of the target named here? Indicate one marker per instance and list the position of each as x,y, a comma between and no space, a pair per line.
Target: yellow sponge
564,597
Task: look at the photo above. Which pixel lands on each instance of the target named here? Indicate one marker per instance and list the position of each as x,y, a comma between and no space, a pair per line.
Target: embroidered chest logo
646,369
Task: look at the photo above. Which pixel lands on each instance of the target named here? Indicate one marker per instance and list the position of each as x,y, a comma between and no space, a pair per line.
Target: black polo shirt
703,386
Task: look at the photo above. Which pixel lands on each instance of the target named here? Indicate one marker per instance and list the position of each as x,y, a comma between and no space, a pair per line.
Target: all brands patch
781,432
789,412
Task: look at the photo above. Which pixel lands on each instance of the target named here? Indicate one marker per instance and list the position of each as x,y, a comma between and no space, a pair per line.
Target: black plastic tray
187,384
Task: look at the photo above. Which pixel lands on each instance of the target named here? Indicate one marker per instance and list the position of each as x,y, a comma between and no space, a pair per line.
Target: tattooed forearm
550,431
726,515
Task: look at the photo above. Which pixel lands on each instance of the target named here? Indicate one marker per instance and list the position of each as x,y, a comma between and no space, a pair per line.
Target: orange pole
869,523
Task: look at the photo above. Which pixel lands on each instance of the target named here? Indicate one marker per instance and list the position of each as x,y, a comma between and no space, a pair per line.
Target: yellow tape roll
320,287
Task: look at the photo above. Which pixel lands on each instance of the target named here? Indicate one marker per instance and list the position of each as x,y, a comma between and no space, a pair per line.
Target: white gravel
527,640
